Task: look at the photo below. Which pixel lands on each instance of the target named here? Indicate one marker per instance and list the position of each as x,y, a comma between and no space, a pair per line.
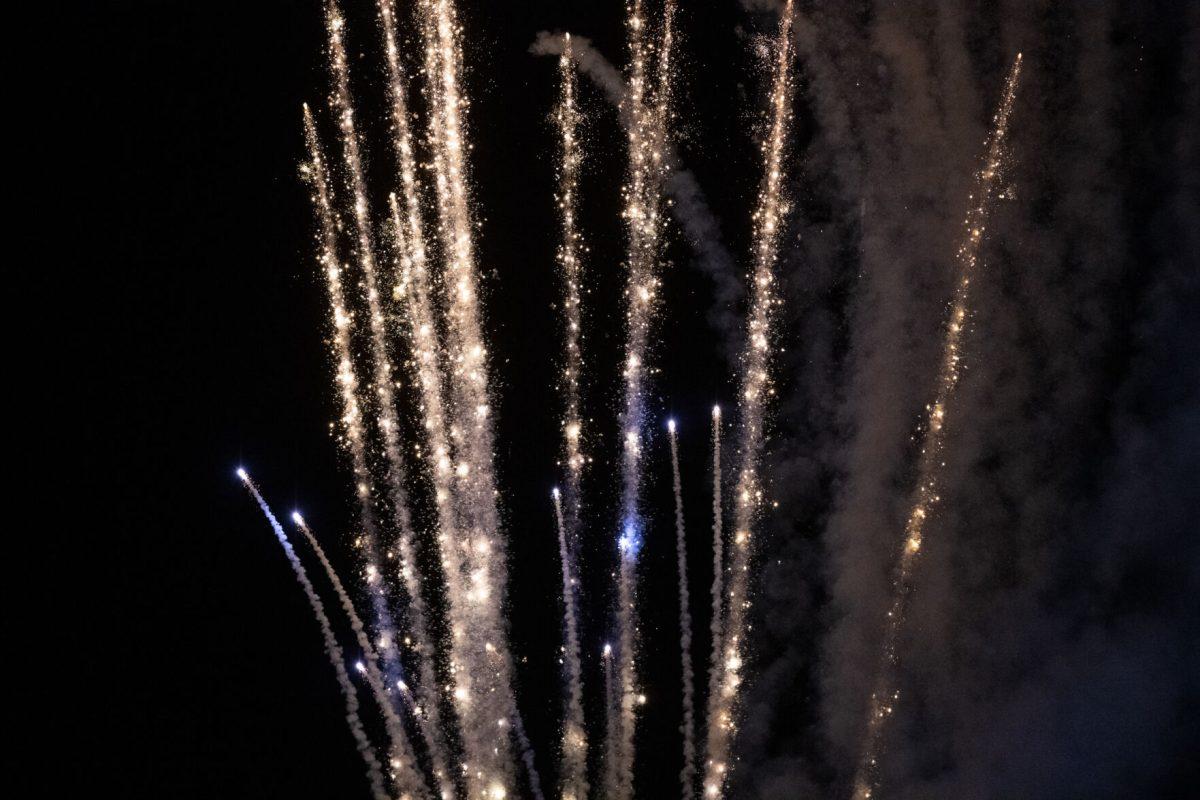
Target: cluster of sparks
411,285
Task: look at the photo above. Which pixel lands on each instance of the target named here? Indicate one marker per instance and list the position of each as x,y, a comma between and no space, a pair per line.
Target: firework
567,119
643,223
574,734
755,387
336,657
885,694
688,727
400,748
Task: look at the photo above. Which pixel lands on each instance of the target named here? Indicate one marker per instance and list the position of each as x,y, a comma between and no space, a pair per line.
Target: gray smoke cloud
1047,651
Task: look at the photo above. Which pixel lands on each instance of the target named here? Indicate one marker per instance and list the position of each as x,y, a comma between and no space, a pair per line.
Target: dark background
184,661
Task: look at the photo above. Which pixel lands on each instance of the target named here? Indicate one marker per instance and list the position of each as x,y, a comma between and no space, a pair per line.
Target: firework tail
926,495
688,727
755,388
574,735
368,666
332,649
479,650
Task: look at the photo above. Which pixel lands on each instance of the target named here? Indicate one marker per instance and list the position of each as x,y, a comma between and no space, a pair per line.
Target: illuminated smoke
478,643
317,174
400,747
412,269
926,495
688,727
333,650
689,206
574,733
755,388
643,224
718,584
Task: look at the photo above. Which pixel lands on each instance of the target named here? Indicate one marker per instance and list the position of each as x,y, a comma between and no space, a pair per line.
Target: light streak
570,253
485,671
574,734
332,649
926,495
646,137
346,378
424,365
401,749
574,783
755,387
688,727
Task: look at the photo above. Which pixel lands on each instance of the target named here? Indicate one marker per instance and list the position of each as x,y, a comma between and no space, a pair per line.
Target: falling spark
885,694
412,260
566,116
570,253
688,727
755,386
643,220
401,750
574,734
317,174
332,649
487,669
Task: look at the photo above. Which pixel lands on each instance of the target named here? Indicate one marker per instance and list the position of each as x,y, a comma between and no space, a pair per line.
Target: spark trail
567,118
570,251
332,649
926,497
412,268
574,734
400,747
718,584
643,222
688,727
353,438
755,387
479,648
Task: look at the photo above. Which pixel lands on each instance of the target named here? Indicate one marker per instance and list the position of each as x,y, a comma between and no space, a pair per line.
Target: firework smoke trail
413,269
930,462
643,220
688,727
755,386
333,650
479,650
718,584
527,756
574,735
401,749
317,174
610,713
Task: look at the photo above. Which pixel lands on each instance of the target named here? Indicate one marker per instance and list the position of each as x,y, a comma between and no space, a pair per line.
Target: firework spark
643,222
336,657
926,496
412,270
401,751
755,387
479,640
567,119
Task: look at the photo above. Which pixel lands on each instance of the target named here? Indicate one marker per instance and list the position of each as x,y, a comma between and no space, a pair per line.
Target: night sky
1054,636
